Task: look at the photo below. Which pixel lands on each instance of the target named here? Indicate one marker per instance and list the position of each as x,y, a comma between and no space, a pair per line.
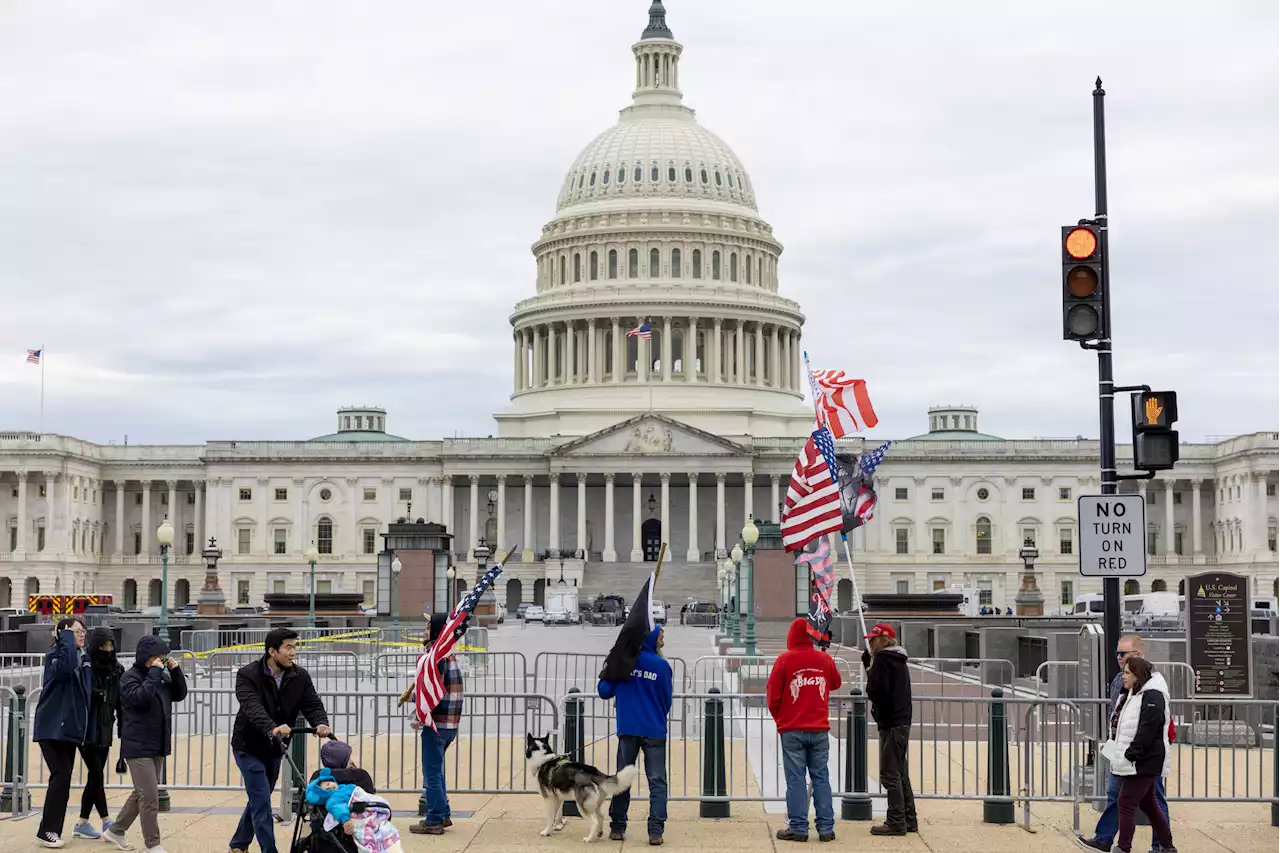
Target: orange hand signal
1153,410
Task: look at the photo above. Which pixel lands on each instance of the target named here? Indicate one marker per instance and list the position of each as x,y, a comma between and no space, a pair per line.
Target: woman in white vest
1139,751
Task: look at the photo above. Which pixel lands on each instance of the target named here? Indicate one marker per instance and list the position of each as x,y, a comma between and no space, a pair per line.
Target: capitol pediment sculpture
649,438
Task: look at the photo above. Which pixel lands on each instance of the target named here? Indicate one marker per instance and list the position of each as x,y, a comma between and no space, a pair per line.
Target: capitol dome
657,281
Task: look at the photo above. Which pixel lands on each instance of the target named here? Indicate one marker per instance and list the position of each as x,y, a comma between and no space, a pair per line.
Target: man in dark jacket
272,692
889,689
643,703
147,693
799,697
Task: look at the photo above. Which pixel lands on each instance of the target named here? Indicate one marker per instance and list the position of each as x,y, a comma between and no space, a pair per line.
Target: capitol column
636,553
473,518
610,554
197,523
536,379
693,555
775,360
553,378
689,358
570,353
784,370
22,516
526,555
147,525
120,493
446,506
615,346
516,346
1197,550
740,354
665,477
582,514
720,552
773,497
1170,555
593,369
666,349
748,486
1259,518
500,535
173,512
554,545
759,359
714,369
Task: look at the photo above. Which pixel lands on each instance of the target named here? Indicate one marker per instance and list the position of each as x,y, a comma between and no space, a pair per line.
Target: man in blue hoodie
643,703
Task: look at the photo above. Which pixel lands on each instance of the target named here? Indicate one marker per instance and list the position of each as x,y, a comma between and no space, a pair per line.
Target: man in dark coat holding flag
639,679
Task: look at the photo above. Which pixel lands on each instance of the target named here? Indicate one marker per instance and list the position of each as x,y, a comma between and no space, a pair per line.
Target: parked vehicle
659,612
562,606
606,611
534,613
701,614
1087,605
522,609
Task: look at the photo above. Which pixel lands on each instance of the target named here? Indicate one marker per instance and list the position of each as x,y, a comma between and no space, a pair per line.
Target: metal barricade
483,672
332,671
745,673
24,669
961,676
555,672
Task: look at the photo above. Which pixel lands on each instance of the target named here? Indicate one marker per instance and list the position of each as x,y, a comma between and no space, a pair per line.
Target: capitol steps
677,583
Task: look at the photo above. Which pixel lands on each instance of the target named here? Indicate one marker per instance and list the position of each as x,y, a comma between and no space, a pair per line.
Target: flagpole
857,596
42,359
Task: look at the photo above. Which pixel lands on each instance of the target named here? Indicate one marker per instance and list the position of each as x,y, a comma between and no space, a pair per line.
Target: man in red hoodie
799,695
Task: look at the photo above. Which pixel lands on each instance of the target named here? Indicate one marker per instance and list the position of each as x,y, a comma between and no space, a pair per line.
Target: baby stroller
317,839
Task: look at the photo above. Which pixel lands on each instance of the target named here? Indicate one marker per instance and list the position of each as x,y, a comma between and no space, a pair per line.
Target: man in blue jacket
643,703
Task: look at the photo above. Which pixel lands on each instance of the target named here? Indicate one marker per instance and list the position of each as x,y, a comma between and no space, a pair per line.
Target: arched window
717,177
704,176
688,175
613,263
577,267
1182,587
729,176
563,265
1159,586
760,271
1131,587
593,265
671,174
622,174
593,180
324,536
675,263
733,266
982,535
746,268
715,265
653,173
640,174
655,263
604,179
633,264
697,263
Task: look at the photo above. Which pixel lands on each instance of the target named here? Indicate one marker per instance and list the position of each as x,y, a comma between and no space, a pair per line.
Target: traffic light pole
1106,375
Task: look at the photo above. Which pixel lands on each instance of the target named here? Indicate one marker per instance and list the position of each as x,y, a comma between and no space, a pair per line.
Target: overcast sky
227,219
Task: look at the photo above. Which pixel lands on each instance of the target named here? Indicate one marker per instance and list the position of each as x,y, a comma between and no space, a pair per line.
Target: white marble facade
610,440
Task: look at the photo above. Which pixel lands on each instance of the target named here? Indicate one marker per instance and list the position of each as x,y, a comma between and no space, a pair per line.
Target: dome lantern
657,28
657,62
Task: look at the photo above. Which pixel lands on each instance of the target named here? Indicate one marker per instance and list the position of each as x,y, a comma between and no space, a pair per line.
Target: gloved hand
866,659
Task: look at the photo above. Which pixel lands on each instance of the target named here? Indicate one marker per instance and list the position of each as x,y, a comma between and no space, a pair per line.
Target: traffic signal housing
1083,314
1155,441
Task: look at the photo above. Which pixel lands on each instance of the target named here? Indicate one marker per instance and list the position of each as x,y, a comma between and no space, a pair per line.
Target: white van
1087,605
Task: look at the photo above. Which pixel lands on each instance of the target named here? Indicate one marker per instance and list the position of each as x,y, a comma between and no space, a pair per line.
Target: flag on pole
427,680
857,486
622,658
33,355
644,330
812,506
843,405
821,564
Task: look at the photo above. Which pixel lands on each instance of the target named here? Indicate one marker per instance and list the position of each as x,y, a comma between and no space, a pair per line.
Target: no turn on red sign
1112,536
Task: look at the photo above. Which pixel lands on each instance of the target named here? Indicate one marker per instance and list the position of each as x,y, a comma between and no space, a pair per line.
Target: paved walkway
202,823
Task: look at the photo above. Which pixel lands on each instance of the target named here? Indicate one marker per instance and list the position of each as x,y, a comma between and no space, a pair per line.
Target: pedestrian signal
1155,441
1083,315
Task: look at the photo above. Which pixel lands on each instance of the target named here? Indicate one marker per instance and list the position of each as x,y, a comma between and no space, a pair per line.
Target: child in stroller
339,798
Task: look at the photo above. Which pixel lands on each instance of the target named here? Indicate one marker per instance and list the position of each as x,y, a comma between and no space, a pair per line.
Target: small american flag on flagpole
644,330
812,506
427,680
33,355
843,405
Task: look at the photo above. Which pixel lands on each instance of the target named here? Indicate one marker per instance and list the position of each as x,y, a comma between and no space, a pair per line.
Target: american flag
644,330
812,506
865,504
33,355
430,687
842,403
822,567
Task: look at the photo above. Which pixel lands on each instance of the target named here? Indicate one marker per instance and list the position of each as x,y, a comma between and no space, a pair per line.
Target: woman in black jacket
148,690
61,717
104,718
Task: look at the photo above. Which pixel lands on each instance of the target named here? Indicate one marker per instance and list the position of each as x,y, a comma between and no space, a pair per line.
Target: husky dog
560,779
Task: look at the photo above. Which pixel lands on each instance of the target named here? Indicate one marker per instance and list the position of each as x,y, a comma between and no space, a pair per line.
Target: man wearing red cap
889,689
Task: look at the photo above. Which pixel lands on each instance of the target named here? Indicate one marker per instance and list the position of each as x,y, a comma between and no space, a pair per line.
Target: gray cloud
229,220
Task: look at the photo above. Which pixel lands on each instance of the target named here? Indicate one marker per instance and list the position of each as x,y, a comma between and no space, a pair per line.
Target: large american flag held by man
843,405
429,685
812,506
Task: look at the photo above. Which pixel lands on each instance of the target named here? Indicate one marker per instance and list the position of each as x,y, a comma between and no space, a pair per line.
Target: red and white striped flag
812,507
430,689
843,404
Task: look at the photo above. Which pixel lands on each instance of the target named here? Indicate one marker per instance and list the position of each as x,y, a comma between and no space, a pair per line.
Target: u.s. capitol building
612,444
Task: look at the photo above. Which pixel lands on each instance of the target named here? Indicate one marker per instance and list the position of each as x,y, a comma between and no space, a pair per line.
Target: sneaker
107,823
448,822
655,840
789,834
50,839
118,839
84,829
1093,844
886,829
617,835
827,836
424,828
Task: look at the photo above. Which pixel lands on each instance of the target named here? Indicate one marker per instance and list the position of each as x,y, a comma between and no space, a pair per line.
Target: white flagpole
857,596
42,358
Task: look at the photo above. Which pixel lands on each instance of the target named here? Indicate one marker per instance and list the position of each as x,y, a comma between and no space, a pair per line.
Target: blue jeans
1109,820
434,745
803,751
655,770
257,821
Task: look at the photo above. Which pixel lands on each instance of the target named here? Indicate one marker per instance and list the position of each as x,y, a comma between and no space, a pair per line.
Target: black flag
621,659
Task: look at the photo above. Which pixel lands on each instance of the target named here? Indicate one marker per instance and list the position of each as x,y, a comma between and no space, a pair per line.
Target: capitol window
697,263
982,535
1028,494
562,273
901,542
983,494
733,266
580,177
653,173
593,180
717,177
613,263
594,266
937,494
622,174
1064,493
577,267
633,264
939,540
671,174
655,263
604,177
747,268
325,495
715,265
675,263
688,175
704,176
246,494
729,175
324,536
900,493
640,174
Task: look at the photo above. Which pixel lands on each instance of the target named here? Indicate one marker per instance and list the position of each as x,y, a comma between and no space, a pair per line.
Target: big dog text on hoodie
801,683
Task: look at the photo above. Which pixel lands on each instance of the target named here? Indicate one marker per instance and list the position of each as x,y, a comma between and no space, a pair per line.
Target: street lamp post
750,534
312,555
451,574
164,536
1029,601
736,557
724,599
396,566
